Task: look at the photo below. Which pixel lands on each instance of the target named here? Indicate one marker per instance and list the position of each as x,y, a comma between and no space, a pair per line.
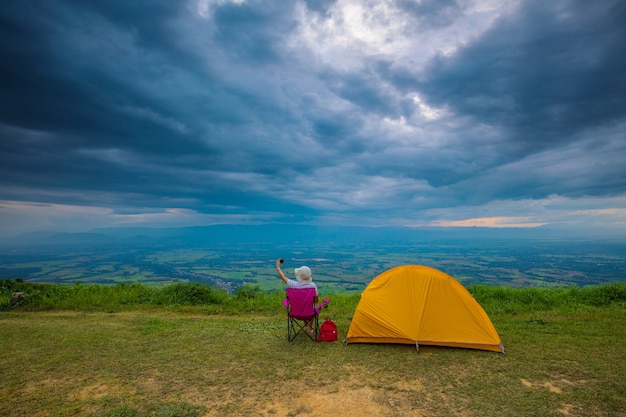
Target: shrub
188,294
247,292
250,298
599,295
524,300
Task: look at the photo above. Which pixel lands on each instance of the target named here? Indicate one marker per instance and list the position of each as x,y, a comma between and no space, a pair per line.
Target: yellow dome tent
414,304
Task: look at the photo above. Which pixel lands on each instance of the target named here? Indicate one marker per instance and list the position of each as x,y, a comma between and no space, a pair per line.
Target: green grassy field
187,350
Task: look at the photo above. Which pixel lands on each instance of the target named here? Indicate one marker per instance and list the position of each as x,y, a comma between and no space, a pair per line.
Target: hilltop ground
160,363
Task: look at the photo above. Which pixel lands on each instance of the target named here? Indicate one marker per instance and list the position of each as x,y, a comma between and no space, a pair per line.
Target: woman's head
303,274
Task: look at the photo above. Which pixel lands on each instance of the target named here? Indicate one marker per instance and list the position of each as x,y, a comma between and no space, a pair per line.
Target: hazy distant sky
407,112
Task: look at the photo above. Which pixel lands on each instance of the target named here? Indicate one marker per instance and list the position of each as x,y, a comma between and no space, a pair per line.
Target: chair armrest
322,305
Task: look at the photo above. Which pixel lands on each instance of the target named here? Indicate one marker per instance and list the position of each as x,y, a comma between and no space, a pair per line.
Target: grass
175,354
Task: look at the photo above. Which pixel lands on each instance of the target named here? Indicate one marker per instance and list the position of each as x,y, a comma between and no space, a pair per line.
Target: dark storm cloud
105,124
319,6
543,74
253,33
310,111
58,75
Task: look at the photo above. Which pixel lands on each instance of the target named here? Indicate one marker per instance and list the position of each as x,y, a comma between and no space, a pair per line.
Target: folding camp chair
301,308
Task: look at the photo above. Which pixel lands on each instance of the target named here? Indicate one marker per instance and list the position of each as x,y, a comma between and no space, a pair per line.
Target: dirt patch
552,386
566,409
556,387
33,386
98,390
349,397
354,402
93,391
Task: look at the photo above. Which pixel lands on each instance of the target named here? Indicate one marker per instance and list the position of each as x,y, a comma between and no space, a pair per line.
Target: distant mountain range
282,233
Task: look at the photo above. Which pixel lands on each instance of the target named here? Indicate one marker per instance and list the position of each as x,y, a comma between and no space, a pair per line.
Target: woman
303,280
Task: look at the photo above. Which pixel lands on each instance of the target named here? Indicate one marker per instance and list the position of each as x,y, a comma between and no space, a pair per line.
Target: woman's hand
280,273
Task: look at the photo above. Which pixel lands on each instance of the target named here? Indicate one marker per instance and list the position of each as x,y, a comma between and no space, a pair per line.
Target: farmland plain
342,260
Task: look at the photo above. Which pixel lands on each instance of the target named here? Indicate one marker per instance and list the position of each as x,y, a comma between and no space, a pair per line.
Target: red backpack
328,331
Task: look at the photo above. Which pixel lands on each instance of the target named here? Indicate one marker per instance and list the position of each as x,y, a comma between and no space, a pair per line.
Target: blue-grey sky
407,112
